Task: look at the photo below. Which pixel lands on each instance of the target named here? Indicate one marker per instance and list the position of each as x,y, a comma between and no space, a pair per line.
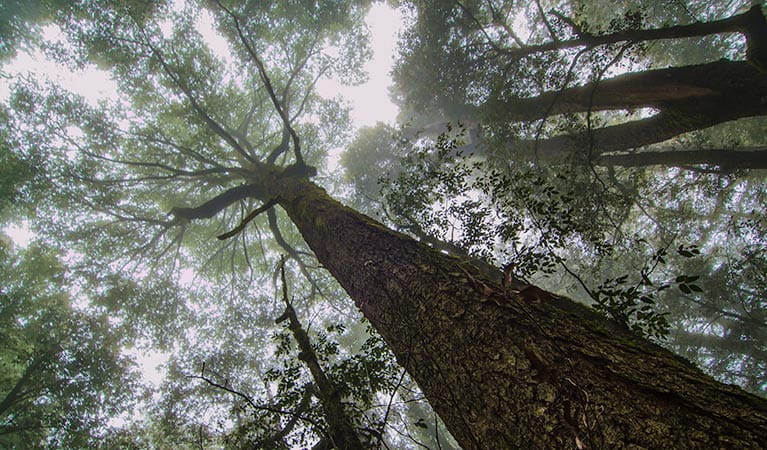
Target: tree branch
742,23
247,219
267,83
217,203
218,129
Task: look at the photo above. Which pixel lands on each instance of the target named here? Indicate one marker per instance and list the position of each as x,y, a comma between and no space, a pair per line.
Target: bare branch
215,126
546,21
250,402
293,253
247,219
267,82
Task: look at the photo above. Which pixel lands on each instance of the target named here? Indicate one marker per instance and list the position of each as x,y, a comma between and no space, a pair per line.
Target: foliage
520,219
362,378
190,123
63,374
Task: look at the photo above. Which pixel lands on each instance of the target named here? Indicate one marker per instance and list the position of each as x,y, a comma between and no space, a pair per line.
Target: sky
369,101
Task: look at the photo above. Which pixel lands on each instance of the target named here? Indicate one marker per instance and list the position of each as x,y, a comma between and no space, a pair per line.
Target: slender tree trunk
341,431
509,369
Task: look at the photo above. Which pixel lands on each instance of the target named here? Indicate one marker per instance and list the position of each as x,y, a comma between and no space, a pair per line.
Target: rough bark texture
507,369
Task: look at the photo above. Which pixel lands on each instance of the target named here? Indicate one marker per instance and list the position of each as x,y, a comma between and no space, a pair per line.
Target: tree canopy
546,151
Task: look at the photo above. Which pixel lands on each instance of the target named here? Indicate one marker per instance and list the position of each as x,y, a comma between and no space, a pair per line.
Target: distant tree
486,74
62,374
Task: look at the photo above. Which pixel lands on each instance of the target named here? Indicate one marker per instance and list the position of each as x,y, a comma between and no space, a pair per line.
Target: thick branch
17,392
279,437
650,88
218,203
743,23
755,158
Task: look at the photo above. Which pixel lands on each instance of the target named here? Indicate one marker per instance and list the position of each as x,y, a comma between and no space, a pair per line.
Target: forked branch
247,220
267,82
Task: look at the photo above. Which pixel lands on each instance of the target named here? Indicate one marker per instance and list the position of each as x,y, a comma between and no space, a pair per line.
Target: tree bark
688,98
669,123
507,369
725,159
736,90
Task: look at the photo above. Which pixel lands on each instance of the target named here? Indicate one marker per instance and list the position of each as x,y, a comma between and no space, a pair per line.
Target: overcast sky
370,101
370,104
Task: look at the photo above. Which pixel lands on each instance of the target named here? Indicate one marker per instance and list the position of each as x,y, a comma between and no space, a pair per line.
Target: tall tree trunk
508,369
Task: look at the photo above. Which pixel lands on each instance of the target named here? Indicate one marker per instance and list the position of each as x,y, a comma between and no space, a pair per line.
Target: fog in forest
426,224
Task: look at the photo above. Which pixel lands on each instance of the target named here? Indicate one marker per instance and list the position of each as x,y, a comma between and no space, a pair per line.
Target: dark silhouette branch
215,126
247,220
303,406
651,88
217,203
748,23
577,29
292,252
341,431
546,21
672,121
249,401
267,82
